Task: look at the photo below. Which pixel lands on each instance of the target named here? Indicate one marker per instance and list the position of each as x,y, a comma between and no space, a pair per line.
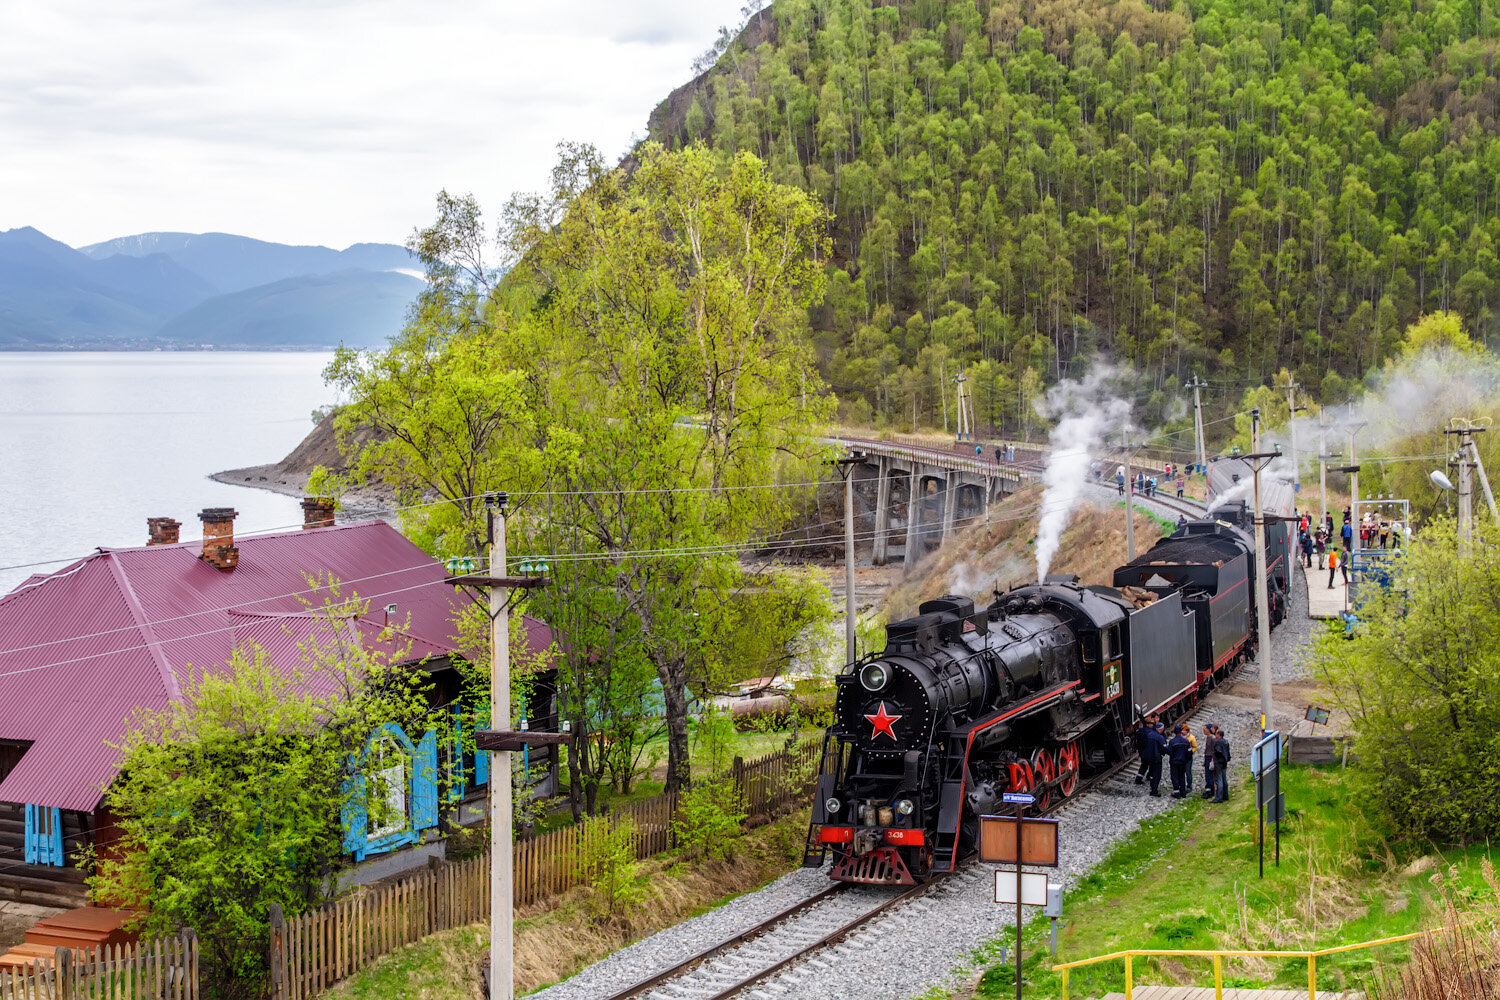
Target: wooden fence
156,970
312,952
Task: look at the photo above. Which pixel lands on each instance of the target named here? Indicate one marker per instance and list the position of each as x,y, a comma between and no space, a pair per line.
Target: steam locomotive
1034,693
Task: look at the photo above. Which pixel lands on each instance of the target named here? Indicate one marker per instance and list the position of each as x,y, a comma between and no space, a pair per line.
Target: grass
555,942
1187,879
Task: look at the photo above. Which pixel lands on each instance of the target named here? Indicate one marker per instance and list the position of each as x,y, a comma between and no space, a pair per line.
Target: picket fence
312,952
156,970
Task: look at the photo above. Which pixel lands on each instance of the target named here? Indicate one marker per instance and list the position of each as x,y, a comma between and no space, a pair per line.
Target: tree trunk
674,700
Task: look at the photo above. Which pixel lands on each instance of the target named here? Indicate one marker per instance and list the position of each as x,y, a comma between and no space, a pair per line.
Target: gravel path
955,919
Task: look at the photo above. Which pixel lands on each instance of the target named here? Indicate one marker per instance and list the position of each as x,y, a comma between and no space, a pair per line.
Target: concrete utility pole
1197,385
1291,423
502,918
1484,480
1353,553
1129,503
1322,473
1262,596
965,408
846,469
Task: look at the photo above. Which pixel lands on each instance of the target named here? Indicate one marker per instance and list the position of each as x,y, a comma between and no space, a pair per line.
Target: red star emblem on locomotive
883,723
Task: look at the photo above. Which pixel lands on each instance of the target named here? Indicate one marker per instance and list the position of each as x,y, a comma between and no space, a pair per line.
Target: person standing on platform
1208,760
1153,745
1333,565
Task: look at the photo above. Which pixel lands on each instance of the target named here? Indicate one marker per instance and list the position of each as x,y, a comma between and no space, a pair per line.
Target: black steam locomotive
1032,694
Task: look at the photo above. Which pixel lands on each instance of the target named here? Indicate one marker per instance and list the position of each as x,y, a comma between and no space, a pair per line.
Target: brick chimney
317,512
218,537
163,530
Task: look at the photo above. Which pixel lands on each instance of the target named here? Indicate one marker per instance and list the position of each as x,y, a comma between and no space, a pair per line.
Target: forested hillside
1219,186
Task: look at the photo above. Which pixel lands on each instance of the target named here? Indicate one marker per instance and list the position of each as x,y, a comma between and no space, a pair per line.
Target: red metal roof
121,630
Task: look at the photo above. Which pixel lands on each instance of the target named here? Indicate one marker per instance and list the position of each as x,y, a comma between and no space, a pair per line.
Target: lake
93,444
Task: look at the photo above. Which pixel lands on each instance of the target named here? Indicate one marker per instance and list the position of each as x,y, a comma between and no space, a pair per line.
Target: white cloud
315,121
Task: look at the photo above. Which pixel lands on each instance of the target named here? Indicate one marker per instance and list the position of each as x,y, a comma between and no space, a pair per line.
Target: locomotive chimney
162,530
218,537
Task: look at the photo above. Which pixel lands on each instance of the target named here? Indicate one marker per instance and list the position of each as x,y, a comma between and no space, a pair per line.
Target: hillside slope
1220,186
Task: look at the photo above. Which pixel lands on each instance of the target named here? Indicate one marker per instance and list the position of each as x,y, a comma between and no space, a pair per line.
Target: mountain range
174,290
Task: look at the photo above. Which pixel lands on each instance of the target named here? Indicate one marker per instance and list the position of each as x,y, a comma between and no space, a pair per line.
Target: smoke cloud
1279,469
1087,411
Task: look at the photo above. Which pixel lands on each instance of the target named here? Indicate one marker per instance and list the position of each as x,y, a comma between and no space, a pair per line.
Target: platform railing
1218,957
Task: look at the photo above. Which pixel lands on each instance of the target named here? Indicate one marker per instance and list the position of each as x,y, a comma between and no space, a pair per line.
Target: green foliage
1216,186
230,800
607,864
709,813
1420,679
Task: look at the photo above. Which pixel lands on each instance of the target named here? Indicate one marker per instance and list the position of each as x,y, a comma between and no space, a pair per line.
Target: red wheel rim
1021,777
1069,759
1045,769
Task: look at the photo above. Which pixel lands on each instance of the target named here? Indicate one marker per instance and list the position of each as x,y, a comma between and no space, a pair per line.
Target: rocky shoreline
289,476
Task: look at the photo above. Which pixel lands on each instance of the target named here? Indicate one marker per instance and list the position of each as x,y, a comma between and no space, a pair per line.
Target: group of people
1178,750
1317,541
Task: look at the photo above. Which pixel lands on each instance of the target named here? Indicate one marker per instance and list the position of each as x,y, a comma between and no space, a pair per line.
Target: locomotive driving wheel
1022,778
1069,762
1044,769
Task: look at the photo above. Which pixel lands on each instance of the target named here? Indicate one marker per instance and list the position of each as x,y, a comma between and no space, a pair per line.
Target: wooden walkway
1230,993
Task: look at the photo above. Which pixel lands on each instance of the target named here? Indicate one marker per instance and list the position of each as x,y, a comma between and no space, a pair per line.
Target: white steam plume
1279,469
1086,412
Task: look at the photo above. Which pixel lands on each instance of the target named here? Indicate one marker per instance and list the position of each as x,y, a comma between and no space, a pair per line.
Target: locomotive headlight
905,806
832,806
874,677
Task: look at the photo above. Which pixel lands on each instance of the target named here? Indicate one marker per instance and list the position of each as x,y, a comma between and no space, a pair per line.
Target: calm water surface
93,444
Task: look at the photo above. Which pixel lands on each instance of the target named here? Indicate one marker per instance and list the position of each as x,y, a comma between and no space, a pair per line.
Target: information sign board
1018,798
1267,786
1265,753
1033,887
997,841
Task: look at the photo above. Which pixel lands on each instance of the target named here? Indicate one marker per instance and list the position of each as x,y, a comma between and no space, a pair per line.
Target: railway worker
1153,747
1177,756
1221,765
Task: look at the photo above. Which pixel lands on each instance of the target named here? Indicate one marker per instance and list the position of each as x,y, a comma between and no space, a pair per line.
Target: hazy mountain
233,263
356,308
51,294
166,289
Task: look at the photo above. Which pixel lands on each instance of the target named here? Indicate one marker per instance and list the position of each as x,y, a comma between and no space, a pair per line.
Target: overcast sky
316,121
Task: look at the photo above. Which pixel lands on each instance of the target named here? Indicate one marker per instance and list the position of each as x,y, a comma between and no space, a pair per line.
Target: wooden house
83,648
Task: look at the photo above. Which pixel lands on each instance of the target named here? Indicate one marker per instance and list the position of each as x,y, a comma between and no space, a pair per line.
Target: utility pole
965,408
1291,422
1322,473
1465,430
846,469
1129,502
1262,597
1351,558
1484,480
502,894
1202,448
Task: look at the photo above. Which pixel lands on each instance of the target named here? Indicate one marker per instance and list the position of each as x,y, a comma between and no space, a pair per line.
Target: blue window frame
44,843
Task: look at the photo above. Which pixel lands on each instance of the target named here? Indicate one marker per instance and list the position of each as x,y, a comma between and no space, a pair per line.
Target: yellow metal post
1312,977
1218,977
1065,983
1129,976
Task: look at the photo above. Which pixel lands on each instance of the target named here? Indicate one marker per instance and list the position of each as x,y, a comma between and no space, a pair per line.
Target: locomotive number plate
1113,687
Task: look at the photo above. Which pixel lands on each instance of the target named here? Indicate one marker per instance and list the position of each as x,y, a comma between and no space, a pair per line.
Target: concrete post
950,503
913,516
881,550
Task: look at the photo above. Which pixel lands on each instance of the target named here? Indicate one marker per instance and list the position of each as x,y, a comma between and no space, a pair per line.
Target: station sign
997,841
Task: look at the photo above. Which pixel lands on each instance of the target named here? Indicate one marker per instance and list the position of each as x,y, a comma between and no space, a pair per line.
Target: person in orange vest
1333,565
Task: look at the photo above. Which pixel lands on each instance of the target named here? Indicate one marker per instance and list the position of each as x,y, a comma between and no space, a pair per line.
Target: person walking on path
1221,765
1177,753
